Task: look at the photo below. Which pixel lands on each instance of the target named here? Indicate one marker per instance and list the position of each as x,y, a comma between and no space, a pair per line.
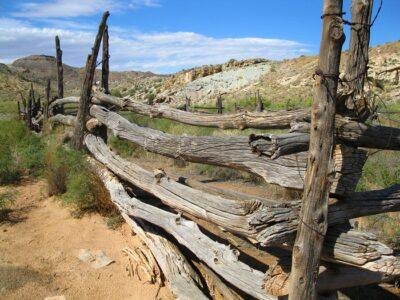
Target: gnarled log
241,120
219,257
225,262
63,119
264,222
228,151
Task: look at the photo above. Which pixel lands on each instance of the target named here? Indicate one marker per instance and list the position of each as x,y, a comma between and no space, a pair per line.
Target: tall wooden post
29,110
259,104
313,216
219,105
19,109
105,66
357,62
187,105
84,102
60,75
46,106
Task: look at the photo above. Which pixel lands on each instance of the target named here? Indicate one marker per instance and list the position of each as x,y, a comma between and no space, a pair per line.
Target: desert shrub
382,170
7,198
69,176
21,152
116,93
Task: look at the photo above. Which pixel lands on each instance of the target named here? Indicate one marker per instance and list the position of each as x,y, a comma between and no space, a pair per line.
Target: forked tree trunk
314,212
84,102
105,70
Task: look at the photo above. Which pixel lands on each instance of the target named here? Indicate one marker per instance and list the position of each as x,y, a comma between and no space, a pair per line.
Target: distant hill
17,76
277,81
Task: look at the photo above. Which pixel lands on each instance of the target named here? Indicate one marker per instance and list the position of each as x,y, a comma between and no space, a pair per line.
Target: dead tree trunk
60,73
357,62
46,107
219,105
83,110
313,225
187,105
259,104
105,66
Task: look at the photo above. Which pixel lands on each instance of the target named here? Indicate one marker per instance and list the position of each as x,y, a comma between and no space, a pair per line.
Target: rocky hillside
38,68
277,81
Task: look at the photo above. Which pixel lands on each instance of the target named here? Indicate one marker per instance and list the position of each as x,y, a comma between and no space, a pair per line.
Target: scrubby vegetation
70,177
21,152
6,200
382,170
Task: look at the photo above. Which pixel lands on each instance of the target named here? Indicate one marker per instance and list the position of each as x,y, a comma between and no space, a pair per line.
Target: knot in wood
336,29
158,174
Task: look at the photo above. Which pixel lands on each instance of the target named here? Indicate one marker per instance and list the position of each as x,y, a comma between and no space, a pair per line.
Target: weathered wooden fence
245,240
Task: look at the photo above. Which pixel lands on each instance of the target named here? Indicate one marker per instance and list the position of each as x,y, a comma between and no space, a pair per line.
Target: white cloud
135,4
158,52
65,8
78,8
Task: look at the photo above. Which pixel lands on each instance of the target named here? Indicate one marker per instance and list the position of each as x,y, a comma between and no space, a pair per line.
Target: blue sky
168,35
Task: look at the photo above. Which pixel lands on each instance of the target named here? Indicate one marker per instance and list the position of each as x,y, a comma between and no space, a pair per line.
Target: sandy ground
38,253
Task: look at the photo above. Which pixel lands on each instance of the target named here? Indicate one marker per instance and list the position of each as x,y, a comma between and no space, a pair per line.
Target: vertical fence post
187,106
313,215
47,104
29,110
105,63
219,105
259,104
60,73
84,102
19,109
357,62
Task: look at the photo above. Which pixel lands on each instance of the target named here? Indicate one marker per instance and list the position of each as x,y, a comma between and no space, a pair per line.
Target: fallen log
357,134
63,119
224,260
265,222
63,101
182,280
219,257
228,151
241,120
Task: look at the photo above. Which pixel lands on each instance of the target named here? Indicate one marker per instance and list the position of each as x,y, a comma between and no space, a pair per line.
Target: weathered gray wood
63,119
261,221
219,105
105,69
62,101
182,280
84,101
314,211
259,107
215,284
242,120
60,75
47,105
219,257
359,134
224,260
353,97
229,151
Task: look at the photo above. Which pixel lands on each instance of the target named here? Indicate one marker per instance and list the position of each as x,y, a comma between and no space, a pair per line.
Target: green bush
7,198
70,176
21,152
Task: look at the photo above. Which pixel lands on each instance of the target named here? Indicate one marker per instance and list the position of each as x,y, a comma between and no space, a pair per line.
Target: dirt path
38,253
